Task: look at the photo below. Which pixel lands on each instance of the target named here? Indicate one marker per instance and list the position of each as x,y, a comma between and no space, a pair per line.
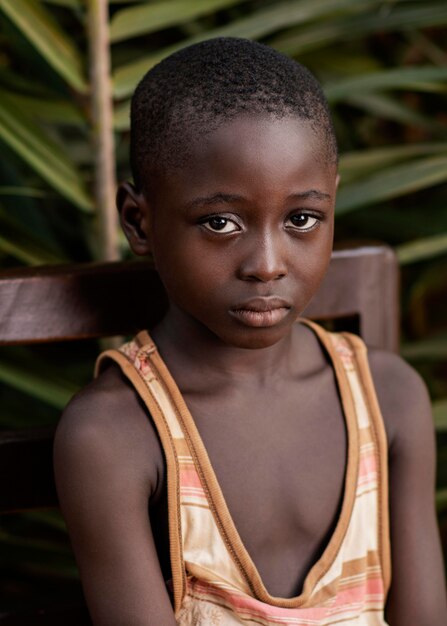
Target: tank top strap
136,360
193,512
352,354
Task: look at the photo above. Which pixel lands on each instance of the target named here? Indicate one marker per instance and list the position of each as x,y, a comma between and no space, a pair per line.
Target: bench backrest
69,302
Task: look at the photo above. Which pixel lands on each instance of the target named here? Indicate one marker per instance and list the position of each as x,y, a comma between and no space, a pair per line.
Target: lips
261,312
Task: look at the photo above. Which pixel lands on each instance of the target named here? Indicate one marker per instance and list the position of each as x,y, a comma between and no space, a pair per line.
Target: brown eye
220,224
303,221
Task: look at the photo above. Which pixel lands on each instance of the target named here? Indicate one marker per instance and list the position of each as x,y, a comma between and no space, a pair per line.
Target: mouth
261,312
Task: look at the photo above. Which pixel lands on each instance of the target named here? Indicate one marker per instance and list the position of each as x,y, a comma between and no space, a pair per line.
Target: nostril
263,277
265,261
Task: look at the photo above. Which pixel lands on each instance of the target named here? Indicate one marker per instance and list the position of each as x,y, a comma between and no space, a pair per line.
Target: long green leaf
327,32
396,181
149,17
27,192
385,107
260,23
42,30
42,154
414,78
37,382
24,246
37,556
422,249
121,116
72,4
440,415
441,500
48,109
431,349
361,162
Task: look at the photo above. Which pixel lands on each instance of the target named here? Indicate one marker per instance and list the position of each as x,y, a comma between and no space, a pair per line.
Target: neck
188,347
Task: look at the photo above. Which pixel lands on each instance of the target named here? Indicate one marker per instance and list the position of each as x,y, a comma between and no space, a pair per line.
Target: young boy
256,485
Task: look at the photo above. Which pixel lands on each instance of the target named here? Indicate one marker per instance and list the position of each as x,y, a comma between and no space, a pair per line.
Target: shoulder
403,399
105,429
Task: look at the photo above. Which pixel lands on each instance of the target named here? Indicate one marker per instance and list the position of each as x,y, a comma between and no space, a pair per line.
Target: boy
270,506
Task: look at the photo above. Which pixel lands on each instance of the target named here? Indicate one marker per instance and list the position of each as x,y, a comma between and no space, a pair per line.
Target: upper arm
104,482
417,593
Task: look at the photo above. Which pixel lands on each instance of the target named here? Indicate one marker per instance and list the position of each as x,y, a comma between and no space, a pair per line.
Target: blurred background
67,72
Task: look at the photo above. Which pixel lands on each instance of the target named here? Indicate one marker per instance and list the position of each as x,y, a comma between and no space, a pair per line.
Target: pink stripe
367,465
356,598
189,478
360,593
368,479
247,605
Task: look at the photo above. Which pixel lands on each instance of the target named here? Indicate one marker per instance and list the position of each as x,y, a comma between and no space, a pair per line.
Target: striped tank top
214,580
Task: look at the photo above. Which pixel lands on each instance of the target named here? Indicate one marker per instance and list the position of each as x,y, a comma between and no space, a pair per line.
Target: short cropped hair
195,90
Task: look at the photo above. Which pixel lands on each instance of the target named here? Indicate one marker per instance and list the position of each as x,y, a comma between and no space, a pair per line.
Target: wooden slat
68,302
362,282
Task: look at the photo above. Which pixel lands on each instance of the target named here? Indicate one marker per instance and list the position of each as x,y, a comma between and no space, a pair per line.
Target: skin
250,215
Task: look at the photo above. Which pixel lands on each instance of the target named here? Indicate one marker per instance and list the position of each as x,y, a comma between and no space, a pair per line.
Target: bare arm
417,594
105,476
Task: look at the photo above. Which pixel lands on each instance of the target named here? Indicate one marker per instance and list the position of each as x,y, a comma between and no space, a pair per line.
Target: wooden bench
71,302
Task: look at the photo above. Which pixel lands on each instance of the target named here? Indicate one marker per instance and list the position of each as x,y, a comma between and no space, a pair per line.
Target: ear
337,181
134,215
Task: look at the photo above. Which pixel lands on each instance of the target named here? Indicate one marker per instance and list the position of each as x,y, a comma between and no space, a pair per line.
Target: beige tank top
214,580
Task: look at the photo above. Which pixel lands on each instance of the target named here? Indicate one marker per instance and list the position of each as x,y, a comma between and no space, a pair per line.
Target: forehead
263,155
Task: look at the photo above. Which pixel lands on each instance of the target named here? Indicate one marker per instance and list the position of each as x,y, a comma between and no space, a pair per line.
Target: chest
279,458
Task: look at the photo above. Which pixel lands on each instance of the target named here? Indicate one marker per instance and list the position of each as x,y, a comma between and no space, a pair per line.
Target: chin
256,339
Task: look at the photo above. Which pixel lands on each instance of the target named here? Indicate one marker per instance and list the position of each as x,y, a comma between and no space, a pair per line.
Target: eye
217,223
304,221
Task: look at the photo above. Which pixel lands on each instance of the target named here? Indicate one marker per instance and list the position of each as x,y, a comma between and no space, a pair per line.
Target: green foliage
383,66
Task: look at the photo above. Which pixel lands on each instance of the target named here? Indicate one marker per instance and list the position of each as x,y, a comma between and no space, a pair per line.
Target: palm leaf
48,109
361,162
440,415
40,28
25,246
149,17
395,181
422,249
40,382
400,16
261,23
72,4
28,192
414,78
441,500
385,107
48,159
431,349
121,116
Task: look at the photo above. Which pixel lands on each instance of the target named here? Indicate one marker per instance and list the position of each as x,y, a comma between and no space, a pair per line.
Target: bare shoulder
108,467
403,398
417,594
106,428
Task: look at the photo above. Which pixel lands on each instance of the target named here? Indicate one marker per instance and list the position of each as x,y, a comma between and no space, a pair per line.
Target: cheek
189,271
314,265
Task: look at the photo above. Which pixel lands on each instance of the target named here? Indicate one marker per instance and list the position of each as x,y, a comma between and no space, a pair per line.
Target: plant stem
102,128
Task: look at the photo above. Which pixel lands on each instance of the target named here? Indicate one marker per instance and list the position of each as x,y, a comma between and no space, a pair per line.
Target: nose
265,260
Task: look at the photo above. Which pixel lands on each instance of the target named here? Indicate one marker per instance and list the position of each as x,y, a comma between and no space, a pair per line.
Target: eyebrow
217,198
309,194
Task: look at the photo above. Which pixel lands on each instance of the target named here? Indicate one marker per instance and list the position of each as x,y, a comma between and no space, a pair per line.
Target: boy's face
242,235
